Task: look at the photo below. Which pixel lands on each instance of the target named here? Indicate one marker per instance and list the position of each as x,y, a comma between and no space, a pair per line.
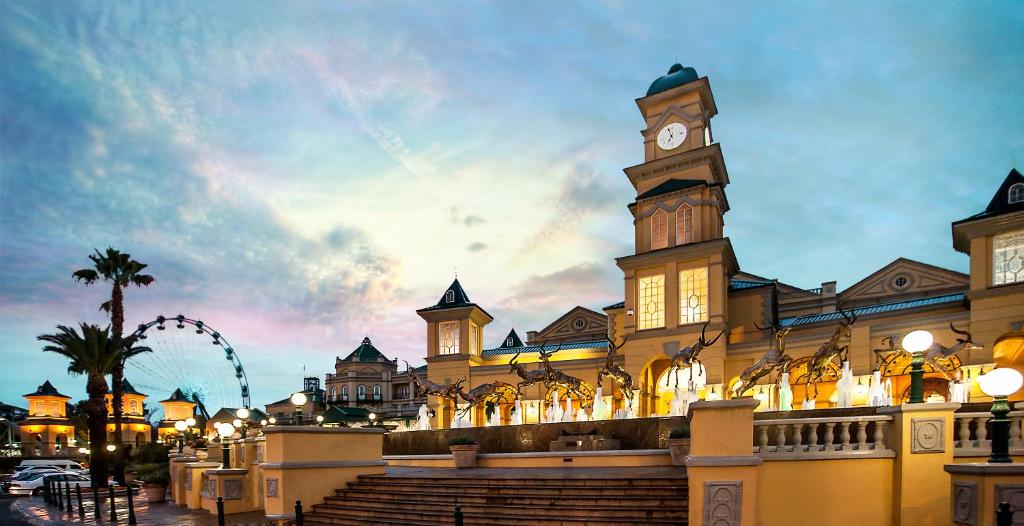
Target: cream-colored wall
825,492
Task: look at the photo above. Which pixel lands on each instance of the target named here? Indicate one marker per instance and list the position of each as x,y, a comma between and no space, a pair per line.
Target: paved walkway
34,511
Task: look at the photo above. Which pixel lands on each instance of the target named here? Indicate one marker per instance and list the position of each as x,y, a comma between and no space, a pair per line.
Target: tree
121,271
94,353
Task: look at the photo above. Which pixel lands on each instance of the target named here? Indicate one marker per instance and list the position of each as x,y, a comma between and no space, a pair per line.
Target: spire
47,389
454,296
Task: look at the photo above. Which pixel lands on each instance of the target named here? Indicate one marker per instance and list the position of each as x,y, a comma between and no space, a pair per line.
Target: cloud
477,247
473,220
582,193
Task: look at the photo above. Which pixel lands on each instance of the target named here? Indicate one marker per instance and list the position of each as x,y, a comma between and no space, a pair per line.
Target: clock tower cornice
702,86
710,155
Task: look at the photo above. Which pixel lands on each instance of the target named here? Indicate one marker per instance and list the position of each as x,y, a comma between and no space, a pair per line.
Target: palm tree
94,353
120,270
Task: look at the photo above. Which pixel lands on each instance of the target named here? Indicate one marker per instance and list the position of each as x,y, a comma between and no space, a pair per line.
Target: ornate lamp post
225,430
243,420
373,418
298,400
916,343
273,421
180,426
999,384
319,420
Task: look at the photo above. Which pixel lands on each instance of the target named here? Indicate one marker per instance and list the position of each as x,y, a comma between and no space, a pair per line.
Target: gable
578,324
904,278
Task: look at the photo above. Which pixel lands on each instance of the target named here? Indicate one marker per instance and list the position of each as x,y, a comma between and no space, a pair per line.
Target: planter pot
465,456
155,492
679,448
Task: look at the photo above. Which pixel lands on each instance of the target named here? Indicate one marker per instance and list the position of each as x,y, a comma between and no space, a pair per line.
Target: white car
32,483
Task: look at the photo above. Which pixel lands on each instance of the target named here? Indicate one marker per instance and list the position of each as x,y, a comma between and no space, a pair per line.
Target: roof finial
456,272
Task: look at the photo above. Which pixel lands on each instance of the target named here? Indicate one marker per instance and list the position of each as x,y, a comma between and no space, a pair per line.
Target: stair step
491,518
537,481
485,487
550,510
539,499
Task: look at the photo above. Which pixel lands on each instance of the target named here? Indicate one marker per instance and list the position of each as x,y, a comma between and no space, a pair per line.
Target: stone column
308,463
923,439
722,471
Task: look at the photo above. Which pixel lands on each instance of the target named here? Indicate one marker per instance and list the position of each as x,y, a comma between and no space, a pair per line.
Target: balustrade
823,437
971,431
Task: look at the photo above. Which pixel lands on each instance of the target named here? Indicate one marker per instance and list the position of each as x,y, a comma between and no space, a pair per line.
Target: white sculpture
567,414
423,419
785,394
517,414
599,410
844,387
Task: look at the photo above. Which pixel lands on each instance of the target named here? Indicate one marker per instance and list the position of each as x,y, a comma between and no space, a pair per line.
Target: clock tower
677,278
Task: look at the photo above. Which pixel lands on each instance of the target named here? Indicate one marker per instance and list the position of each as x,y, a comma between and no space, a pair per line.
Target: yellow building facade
176,407
47,430
683,277
135,429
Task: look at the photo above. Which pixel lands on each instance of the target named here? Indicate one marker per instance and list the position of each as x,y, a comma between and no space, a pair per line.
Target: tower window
508,342
448,337
449,297
1016,193
693,295
361,392
659,230
1008,258
651,302
344,392
684,224
376,392
474,338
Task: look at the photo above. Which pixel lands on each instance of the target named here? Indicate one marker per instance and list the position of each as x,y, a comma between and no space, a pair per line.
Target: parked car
32,484
65,464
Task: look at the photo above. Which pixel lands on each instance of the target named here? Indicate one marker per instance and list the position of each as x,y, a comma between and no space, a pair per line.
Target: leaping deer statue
817,366
570,384
689,356
775,358
619,376
484,392
528,377
938,352
446,391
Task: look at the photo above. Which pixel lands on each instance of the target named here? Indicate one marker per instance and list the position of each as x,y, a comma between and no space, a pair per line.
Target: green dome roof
677,76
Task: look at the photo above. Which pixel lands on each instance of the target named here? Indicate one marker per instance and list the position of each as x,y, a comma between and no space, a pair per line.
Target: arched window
376,392
684,224
344,392
134,408
659,229
362,392
1016,193
508,342
449,297
332,392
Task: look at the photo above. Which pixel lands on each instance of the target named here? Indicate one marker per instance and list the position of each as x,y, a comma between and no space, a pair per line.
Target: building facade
367,379
683,278
135,429
47,431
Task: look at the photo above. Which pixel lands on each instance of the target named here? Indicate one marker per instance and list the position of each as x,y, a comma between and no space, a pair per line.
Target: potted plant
679,444
464,451
154,479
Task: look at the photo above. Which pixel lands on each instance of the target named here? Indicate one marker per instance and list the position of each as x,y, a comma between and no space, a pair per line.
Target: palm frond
89,276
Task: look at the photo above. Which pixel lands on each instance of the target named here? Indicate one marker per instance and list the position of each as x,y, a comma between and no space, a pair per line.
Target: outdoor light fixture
242,413
180,426
225,430
999,384
272,420
83,450
263,422
916,343
191,422
111,447
298,400
320,420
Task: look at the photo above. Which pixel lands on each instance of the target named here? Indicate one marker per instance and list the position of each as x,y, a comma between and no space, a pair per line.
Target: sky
301,175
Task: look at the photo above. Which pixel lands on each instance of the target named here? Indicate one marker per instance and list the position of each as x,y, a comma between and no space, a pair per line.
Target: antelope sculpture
817,366
556,379
689,356
484,392
446,391
775,358
938,352
528,377
619,376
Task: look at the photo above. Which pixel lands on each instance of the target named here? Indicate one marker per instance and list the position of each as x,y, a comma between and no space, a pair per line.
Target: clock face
671,136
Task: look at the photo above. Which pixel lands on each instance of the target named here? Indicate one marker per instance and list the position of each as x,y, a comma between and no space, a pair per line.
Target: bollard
220,511
81,509
1004,514
131,506
298,513
60,498
67,496
47,492
458,515
96,503
113,505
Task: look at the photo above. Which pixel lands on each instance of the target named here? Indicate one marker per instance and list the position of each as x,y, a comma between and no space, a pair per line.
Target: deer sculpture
446,391
775,358
484,392
556,379
528,377
817,366
689,356
619,376
892,346
938,352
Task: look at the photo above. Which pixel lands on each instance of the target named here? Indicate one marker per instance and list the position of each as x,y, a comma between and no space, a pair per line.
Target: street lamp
180,426
373,417
225,430
298,400
916,343
272,420
243,420
320,420
999,384
111,447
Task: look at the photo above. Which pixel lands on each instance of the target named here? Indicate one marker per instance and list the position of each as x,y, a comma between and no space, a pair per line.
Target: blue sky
301,175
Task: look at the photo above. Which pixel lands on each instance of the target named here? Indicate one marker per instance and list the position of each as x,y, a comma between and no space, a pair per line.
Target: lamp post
373,418
225,430
243,420
180,426
999,384
298,400
916,343
320,420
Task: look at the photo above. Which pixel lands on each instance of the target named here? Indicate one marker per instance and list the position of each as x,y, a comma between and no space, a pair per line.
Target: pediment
901,278
689,115
578,322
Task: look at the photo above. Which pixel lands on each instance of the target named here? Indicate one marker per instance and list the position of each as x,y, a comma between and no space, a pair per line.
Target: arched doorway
60,442
665,390
37,443
799,371
896,367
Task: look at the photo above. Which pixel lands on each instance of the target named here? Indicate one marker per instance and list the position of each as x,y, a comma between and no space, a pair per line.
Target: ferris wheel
189,355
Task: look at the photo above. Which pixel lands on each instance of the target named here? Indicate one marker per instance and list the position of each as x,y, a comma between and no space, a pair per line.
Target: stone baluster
812,437
763,439
844,436
862,435
780,439
980,432
797,439
1015,440
965,433
879,437
829,436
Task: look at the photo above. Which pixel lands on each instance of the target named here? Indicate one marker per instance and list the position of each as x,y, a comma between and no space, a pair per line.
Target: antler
705,343
962,333
849,321
514,358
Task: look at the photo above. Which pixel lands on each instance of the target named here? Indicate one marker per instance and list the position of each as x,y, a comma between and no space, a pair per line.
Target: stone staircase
572,497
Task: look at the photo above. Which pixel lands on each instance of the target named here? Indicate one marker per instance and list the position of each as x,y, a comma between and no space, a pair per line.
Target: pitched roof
1000,203
230,413
618,305
127,388
338,414
47,389
178,396
499,351
740,284
512,340
669,186
874,309
458,297
366,352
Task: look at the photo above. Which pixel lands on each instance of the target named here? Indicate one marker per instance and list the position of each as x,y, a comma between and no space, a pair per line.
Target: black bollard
96,503
1004,514
60,498
113,505
67,497
131,506
220,511
47,492
81,509
298,513
458,515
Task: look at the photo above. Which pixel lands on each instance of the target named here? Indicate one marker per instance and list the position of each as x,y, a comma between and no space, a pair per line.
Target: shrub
462,441
152,473
682,431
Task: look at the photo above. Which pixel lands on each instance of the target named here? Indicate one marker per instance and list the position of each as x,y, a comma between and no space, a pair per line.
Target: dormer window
508,342
449,297
1016,194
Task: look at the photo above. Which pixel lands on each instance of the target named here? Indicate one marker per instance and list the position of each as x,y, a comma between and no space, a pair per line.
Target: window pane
1008,258
448,337
651,302
693,295
684,224
659,232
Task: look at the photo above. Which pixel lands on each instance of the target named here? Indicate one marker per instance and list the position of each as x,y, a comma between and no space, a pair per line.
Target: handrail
823,420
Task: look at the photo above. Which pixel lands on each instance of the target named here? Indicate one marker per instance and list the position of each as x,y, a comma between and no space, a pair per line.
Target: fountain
879,393
423,419
844,387
567,415
599,411
785,394
517,413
